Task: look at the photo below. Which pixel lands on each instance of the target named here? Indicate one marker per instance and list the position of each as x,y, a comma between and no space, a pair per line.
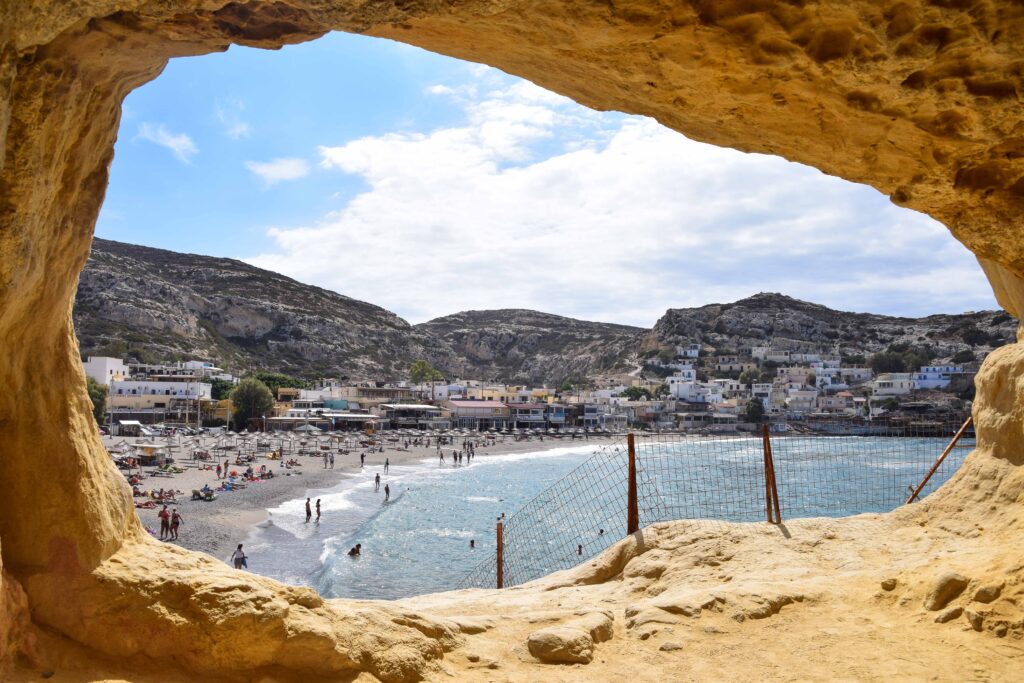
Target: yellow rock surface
921,100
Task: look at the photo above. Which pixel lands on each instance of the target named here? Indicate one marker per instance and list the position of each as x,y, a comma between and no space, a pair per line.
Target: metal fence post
771,491
935,467
632,507
501,558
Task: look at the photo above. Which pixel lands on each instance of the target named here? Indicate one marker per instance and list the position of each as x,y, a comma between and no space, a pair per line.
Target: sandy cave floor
696,605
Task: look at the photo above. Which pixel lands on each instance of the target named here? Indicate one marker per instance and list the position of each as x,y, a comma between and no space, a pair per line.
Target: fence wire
821,469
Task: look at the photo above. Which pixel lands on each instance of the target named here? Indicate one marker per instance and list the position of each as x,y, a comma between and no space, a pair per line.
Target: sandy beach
216,527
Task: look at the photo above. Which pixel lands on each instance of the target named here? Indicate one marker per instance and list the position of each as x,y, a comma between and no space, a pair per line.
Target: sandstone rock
944,589
561,644
988,593
670,646
976,620
473,657
949,615
920,103
1000,630
889,584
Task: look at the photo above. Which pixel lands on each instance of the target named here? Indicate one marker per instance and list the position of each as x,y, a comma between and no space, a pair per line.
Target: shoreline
216,527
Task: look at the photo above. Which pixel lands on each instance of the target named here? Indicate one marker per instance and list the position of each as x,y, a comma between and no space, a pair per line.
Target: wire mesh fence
821,469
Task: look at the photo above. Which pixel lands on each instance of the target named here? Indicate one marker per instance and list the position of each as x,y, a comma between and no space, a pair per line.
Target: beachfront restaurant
478,415
411,416
707,421
323,420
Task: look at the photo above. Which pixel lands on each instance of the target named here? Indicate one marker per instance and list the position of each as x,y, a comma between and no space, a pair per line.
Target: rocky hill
794,325
156,304
538,345
160,304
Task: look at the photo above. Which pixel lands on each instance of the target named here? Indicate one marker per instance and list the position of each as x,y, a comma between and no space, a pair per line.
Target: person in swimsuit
309,511
175,521
317,510
165,523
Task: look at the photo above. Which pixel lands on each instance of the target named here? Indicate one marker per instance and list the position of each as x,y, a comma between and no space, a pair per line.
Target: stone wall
921,100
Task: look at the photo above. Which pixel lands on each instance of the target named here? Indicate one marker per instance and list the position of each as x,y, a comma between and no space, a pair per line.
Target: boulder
561,645
945,588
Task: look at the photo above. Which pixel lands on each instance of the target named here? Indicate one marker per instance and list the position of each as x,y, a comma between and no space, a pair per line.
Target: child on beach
238,558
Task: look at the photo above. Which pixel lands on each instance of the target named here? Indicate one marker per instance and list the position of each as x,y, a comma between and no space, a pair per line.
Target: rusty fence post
501,558
771,490
956,438
632,507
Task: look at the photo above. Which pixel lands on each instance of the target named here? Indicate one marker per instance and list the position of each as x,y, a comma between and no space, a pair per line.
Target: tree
277,380
755,410
220,388
661,391
421,371
748,377
812,379
636,394
964,357
251,398
98,396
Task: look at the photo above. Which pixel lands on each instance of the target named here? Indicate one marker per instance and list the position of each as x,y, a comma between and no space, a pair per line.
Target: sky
428,186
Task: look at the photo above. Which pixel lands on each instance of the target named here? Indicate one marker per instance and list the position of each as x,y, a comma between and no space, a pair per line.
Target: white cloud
536,202
276,170
229,114
179,143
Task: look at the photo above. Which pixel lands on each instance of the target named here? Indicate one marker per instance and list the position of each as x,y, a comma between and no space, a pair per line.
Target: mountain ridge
156,304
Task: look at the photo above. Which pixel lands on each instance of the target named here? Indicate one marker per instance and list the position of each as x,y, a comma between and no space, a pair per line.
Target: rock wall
918,99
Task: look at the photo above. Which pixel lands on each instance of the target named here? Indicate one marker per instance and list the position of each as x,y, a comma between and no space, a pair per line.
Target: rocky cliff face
793,325
163,304
167,304
530,346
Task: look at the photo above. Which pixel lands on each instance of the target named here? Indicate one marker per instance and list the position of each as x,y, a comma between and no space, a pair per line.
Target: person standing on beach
441,453
376,482
218,470
165,523
238,558
175,521
387,464
325,461
317,510
387,493
332,461
309,511
362,459
225,468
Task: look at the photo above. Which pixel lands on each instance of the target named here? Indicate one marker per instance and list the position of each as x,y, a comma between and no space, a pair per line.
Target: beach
216,527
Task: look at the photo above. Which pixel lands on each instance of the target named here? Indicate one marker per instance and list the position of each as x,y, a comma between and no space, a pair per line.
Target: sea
419,541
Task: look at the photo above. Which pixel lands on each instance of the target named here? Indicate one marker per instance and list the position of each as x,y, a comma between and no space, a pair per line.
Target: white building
856,375
189,390
892,384
697,392
936,376
763,393
688,351
105,370
730,388
686,374
802,400
830,380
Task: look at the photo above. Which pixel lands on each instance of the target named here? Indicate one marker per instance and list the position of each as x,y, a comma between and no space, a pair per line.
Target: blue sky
428,186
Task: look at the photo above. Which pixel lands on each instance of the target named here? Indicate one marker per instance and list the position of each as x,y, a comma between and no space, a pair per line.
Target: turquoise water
419,541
